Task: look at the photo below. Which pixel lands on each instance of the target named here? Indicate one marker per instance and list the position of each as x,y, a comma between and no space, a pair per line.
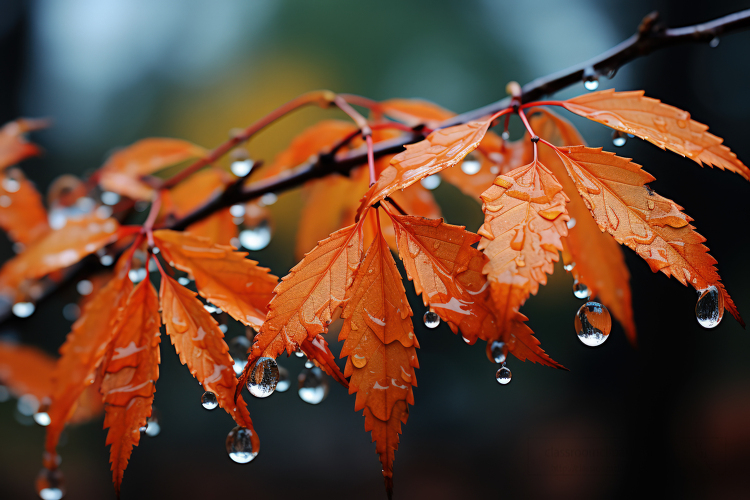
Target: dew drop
591,83
241,168
709,310
284,381
27,405
580,290
11,185
238,348
619,138
23,309
505,135
309,364
431,319
569,266
714,42
240,445
263,378
209,400
431,182
84,287
152,427
137,275
503,375
256,238
499,351
593,324
184,281
50,484
471,165
41,417
299,353
106,260
312,385
237,210
110,198
267,199
571,223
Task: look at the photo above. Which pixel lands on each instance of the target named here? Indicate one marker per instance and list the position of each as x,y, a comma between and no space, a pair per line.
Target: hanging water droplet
110,198
499,351
237,210
137,275
503,375
714,42
240,445
23,309
238,348
106,260
593,324
284,380
241,168
263,378
11,185
471,165
50,484
84,287
469,341
209,400
431,182
571,223
619,138
431,319
27,405
267,199
41,417
569,266
580,290
309,364
505,135
184,281
299,353
256,238
591,83
709,310
313,385
152,427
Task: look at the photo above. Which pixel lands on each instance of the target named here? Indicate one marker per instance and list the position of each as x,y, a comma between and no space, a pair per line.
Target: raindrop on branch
709,310
591,82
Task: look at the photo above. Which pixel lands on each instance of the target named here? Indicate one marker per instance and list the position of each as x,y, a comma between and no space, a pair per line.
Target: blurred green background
670,417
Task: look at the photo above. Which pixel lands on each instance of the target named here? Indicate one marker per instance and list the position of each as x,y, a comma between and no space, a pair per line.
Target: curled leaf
13,145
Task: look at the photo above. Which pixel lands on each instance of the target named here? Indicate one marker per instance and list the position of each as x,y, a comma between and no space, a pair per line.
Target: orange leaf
84,349
26,370
13,145
123,170
447,272
304,302
200,344
381,349
22,216
59,249
413,112
666,126
130,373
618,197
441,149
596,257
195,191
223,276
318,352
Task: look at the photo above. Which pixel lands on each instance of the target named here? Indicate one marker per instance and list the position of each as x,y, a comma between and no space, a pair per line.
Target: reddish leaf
223,276
618,197
26,370
666,126
13,145
380,345
414,112
22,214
130,373
318,352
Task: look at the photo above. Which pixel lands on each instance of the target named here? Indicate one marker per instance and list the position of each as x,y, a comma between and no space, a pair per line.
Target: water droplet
110,198
580,290
152,427
27,405
593,324
571,223
709,310
241,168
591,83
11,185
71,312
240,445
469,341
431,319
184,281
471,165
505,135
209,400
313,385
569,267
299,353
23,309
238,347
284,380
84,287
237,210
431,182
42,418
503,375
619,138
263,378
137,275
499,351
256,238
106,260
309,364
267,199
50,484
714,42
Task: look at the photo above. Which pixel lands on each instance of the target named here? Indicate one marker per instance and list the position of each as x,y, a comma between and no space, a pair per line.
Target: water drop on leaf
580,290
238,347
209,400
619,138
593,324
431,319
240,446
471,165
263,378
256,238
503,375
569,267
709,310
312,385
431,182
23,309
499,351
50,484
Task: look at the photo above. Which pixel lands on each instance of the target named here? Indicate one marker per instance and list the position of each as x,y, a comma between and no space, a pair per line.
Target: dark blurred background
668,418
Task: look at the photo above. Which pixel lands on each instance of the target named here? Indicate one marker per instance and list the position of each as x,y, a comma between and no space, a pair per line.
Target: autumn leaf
85,348
413,112
123,170
441,149
23,215
200,344
596,257
617,194
59,249
222,276
381,347
447,272
195,191
13,144
318,352
666,126
131,369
